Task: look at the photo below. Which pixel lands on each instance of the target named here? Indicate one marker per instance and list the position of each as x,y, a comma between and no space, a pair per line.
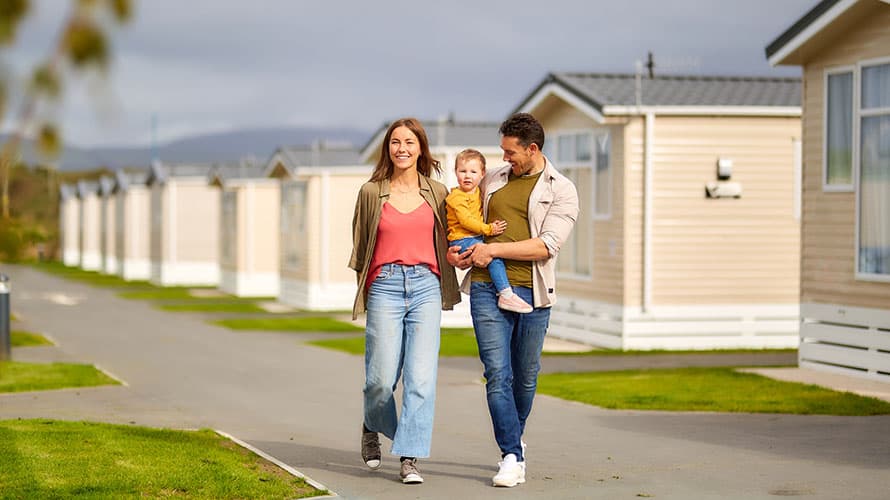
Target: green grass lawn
19,338
300,324
19,377
454,342
158,293
90,277
220,306
55,459
704,389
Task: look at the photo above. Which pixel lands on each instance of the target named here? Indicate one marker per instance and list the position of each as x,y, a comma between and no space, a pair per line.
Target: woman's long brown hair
425,163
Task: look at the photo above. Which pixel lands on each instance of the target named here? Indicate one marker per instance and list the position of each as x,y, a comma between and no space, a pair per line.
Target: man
540,206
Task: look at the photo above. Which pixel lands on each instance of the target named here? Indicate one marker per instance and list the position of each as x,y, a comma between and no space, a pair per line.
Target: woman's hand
458,259
498,227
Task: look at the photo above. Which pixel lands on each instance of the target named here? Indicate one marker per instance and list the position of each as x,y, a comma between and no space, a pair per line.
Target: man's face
518,156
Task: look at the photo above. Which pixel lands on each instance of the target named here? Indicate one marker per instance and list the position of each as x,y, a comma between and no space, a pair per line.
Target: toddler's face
469,173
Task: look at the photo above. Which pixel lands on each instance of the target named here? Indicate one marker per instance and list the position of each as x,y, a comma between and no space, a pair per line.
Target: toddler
466,225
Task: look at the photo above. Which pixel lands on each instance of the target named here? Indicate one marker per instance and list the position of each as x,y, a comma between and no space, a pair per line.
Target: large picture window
874,172
585,158
838,152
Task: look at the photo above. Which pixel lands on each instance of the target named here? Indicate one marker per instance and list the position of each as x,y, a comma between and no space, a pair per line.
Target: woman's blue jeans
510,347
402,338
497,270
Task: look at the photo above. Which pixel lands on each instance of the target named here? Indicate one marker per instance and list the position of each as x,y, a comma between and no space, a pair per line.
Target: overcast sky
213,65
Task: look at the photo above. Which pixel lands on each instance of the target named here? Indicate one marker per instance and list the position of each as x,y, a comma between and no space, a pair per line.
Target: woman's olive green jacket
368,207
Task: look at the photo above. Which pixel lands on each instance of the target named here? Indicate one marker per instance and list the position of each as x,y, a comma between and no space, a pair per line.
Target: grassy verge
19,377
305,324
19,338
454,342
46,459
657,352
170,293
704,389
90,277
220,306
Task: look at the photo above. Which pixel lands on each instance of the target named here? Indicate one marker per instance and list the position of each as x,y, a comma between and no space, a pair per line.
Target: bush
19,240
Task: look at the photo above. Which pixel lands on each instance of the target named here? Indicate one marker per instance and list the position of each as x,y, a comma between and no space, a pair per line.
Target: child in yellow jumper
466,225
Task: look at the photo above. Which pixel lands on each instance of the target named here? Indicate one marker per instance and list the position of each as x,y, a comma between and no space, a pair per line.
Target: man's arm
531,249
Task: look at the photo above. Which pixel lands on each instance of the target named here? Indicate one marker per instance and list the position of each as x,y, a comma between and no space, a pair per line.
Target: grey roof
86,188
106,185
321,155
160,172
798,27
447,133
124,179
231,171
601,89
67,191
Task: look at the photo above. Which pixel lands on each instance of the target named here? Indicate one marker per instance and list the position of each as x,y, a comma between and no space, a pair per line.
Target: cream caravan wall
90,220
197,221
132,232
109,239
158,222
828,260
727,250
70,231
265,199
606,235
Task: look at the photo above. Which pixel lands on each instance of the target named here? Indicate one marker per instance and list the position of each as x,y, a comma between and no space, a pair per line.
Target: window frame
858,115
588,214
839,70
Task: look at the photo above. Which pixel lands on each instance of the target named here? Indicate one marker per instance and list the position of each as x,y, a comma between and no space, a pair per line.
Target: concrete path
302,405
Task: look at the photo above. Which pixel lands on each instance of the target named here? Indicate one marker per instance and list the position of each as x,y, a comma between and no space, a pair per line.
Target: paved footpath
302,404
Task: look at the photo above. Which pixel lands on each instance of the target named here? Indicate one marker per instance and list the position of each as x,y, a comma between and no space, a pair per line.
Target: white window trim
607,215
857,118
838,188
590,216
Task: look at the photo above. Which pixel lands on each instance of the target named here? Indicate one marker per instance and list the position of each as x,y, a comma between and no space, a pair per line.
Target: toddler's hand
498,227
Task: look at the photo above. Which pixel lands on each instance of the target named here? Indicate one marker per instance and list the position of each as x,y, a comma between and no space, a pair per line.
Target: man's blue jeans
510,347
497,270
402,338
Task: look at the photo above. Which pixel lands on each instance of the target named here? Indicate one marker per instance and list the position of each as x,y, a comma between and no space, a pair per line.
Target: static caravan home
448,138
89,225
319,184
184,248
689,231
844,49
69,224
107,225
248,230
132,233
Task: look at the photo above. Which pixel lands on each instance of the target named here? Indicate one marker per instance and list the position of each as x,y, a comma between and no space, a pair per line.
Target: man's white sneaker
510,472
524,446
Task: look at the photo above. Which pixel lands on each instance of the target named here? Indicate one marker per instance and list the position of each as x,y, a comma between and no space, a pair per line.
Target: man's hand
458,259
481,255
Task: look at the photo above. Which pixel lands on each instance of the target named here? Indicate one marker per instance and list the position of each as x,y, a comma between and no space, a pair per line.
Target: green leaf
45,80
85,44
48,141
11,14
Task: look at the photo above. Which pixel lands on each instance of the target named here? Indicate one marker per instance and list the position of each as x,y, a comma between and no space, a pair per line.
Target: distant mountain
220,147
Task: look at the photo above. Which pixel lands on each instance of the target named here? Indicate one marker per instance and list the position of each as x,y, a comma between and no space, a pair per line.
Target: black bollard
5,341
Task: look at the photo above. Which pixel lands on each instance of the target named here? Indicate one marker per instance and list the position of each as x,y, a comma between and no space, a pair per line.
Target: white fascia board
703,110
810,31
560,92
373,146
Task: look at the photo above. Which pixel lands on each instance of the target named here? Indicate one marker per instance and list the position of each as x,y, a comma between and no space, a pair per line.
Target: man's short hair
524,127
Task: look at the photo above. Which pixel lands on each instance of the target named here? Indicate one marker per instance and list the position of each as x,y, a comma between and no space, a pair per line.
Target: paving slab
302,404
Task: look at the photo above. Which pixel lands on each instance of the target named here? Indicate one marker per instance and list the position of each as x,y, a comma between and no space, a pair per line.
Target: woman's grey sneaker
409,472
370,448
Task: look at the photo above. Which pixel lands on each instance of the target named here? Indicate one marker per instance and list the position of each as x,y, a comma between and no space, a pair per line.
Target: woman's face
404,148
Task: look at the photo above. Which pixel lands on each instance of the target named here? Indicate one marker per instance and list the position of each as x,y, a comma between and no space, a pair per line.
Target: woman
404,283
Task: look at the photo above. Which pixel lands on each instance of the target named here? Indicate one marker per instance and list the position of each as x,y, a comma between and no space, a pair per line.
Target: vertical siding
734,251
265,244
829,219
197,222
633,150
606,283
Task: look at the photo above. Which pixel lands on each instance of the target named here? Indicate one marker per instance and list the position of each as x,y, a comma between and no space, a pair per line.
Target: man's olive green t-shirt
510,203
